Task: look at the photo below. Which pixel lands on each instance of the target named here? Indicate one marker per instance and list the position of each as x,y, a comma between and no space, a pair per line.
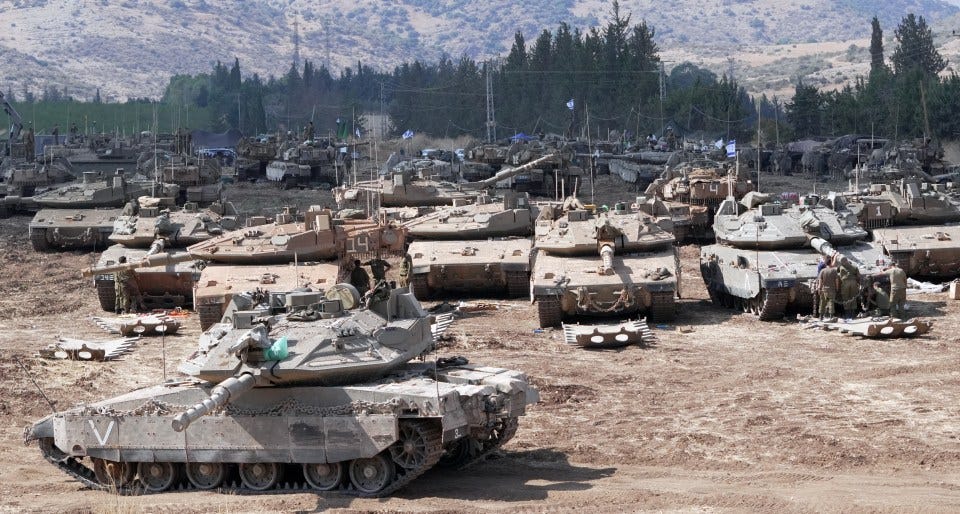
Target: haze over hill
132,47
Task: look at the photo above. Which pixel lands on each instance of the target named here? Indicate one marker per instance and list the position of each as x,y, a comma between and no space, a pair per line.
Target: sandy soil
737,415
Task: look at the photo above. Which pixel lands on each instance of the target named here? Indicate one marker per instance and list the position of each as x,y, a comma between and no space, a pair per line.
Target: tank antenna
27,371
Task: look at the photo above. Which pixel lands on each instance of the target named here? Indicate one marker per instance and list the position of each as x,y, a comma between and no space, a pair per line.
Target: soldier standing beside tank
829,282
56,134
879,300
359,278
308,132
898,290
849,292
28,145
406,266
379,268
127,290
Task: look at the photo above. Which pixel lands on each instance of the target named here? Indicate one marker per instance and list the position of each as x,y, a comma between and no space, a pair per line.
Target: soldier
379,293
828,283
849,291
898,290
308,132
127,290
379,268
359,277
74,132
406,266
28,144
879,300
56,134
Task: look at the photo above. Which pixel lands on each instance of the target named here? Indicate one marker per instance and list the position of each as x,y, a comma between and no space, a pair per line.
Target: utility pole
491,115
663,94
383,120
296,42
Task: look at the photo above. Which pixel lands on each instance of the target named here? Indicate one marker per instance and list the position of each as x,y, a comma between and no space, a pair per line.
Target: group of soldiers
837,284
360,279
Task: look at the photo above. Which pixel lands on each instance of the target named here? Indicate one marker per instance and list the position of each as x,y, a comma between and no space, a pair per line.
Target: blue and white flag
357,132
570,104
732,148
408,134
718,143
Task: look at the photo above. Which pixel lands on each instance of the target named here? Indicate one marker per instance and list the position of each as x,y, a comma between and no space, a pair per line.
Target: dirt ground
736,415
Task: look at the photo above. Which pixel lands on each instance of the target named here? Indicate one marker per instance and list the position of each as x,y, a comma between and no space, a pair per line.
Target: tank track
434,451
518,283
770,305
548,310
419,286
774,304
38,238
471,451
107,294
209,314
663,306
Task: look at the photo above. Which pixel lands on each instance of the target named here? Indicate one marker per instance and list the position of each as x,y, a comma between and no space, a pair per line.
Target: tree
915,50
876,48
804,111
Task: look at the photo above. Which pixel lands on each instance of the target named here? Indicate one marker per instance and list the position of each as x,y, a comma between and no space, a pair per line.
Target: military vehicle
605,263
165,285
930,252
512,215
26,178
328,395
72,229
769,254
218,284
498,266
151,219
93,191
692,191
908,202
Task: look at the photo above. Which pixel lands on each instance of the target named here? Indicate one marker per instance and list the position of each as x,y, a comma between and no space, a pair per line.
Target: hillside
131,47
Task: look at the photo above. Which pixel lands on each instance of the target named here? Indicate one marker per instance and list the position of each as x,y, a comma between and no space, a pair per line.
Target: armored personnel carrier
72,229
605,263
149,219
768,257
326,396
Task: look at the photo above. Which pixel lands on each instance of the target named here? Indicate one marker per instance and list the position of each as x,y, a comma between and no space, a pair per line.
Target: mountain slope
131,47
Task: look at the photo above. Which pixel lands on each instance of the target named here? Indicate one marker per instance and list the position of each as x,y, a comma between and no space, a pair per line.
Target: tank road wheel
460,452
107,294
112,474
548,310
518,284
414,446
260,476
419,286
38,238
209,314
370,476
157,476
663,306
325,477
206,475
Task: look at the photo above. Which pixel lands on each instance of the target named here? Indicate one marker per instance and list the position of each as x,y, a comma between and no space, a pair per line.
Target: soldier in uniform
406,267
379,268
879,300
828,283
898,290
359,277
849,291
127,290
28,144
308,132
56,134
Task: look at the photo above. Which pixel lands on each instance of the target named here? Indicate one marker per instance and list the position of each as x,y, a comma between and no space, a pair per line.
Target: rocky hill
131,47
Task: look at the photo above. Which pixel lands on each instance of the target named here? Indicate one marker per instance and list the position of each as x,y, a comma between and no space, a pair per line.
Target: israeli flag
408,134
570,104
357,132
732,148
718,143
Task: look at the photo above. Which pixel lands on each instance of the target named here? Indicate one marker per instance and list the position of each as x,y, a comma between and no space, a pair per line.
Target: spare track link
71,466
548,310
663,306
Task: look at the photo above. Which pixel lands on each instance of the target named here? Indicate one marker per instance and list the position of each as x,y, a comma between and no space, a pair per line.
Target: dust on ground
737,415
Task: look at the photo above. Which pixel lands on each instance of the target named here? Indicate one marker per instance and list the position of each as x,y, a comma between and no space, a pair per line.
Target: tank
692,192
151,219
929,252
72,229
908,202
27,178
768,256
512,215
94,190
165,286
613,263
218,284
492,266
328,397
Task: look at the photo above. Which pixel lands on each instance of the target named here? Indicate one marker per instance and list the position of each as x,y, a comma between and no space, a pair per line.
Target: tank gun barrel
828,251
223,393
509,172
149,261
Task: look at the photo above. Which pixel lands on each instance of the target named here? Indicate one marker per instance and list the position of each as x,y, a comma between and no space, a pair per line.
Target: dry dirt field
735,416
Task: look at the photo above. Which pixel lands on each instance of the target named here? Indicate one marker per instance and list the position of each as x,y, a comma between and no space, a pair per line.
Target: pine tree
915,50
876,48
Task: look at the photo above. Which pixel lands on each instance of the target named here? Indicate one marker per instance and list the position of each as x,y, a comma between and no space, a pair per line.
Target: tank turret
148,261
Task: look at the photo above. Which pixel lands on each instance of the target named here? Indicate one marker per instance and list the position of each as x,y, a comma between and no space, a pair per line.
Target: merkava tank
929,252
511,215
605,263
152,218
908,202
499,266
24,179
198,179
72,229
692,191
768,254
94,190
328,396
166,285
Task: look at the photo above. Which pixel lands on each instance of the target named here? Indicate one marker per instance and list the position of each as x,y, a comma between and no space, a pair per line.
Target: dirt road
736,415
